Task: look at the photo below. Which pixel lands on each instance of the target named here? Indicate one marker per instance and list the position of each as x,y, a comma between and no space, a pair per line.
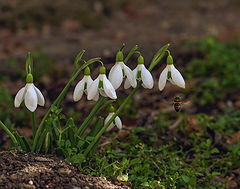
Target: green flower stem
33,117
159,55
4,127
96,107
57,101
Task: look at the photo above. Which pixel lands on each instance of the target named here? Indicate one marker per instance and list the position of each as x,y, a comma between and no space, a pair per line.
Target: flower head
30,94
101,85
172,74
83,85
119,71
141,73
116,121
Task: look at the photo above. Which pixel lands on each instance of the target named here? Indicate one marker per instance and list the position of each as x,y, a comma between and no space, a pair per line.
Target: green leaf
132,51
96,127
77,60
47,143
185,178
22,141
158,56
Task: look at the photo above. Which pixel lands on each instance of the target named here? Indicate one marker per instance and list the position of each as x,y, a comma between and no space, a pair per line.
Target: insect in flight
177,103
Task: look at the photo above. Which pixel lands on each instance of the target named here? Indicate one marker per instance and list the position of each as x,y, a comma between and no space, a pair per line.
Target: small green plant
217,71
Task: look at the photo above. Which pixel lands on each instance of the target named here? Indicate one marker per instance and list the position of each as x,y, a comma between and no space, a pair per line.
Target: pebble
30,182
42,159
64,171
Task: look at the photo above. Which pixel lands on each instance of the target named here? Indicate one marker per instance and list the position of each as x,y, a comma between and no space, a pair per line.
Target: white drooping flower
30,94
116,121
141,73
119,71
83,85
101,85
171,74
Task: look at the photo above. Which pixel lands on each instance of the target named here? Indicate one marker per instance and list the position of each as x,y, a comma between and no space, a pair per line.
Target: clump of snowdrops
71,140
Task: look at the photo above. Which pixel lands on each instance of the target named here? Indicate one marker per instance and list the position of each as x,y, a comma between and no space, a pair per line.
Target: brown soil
21,170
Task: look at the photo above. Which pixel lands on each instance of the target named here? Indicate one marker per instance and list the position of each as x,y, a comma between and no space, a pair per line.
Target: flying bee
177,103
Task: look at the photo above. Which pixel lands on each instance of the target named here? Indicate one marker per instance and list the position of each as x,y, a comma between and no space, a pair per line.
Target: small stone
14,177
30,182
64,171
74,180
42,159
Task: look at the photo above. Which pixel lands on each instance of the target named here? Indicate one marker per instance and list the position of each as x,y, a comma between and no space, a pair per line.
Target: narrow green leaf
132,51
158,56
96,127
47,142
77,60
22,142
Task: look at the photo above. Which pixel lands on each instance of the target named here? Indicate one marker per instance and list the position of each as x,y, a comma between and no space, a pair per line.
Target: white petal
130,76
89,83
116,76
171,81
93,89
96,97
40,97
177,77
78,91
162,79
31,98
107,119
118,122
101,91
146,77
108,88
127,82
19,97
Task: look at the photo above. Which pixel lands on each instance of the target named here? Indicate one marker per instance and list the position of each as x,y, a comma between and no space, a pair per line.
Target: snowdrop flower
116,121
171,74
30,94
101,85
83,85
119,71
142,74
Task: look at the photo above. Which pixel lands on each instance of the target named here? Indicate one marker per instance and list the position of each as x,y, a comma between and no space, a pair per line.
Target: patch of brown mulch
21,170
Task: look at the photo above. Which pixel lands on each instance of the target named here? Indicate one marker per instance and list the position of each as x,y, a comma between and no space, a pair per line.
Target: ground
21,170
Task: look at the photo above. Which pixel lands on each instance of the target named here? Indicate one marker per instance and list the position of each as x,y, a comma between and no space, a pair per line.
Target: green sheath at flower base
169,60
111,109
140,60
102,70
29,78
119,56
87,71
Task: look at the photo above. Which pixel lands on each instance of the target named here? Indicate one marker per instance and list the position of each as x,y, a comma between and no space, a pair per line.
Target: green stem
33,117
96,107
4,127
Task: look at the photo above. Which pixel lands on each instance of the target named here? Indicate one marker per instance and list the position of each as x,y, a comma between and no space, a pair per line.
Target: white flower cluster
104,86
